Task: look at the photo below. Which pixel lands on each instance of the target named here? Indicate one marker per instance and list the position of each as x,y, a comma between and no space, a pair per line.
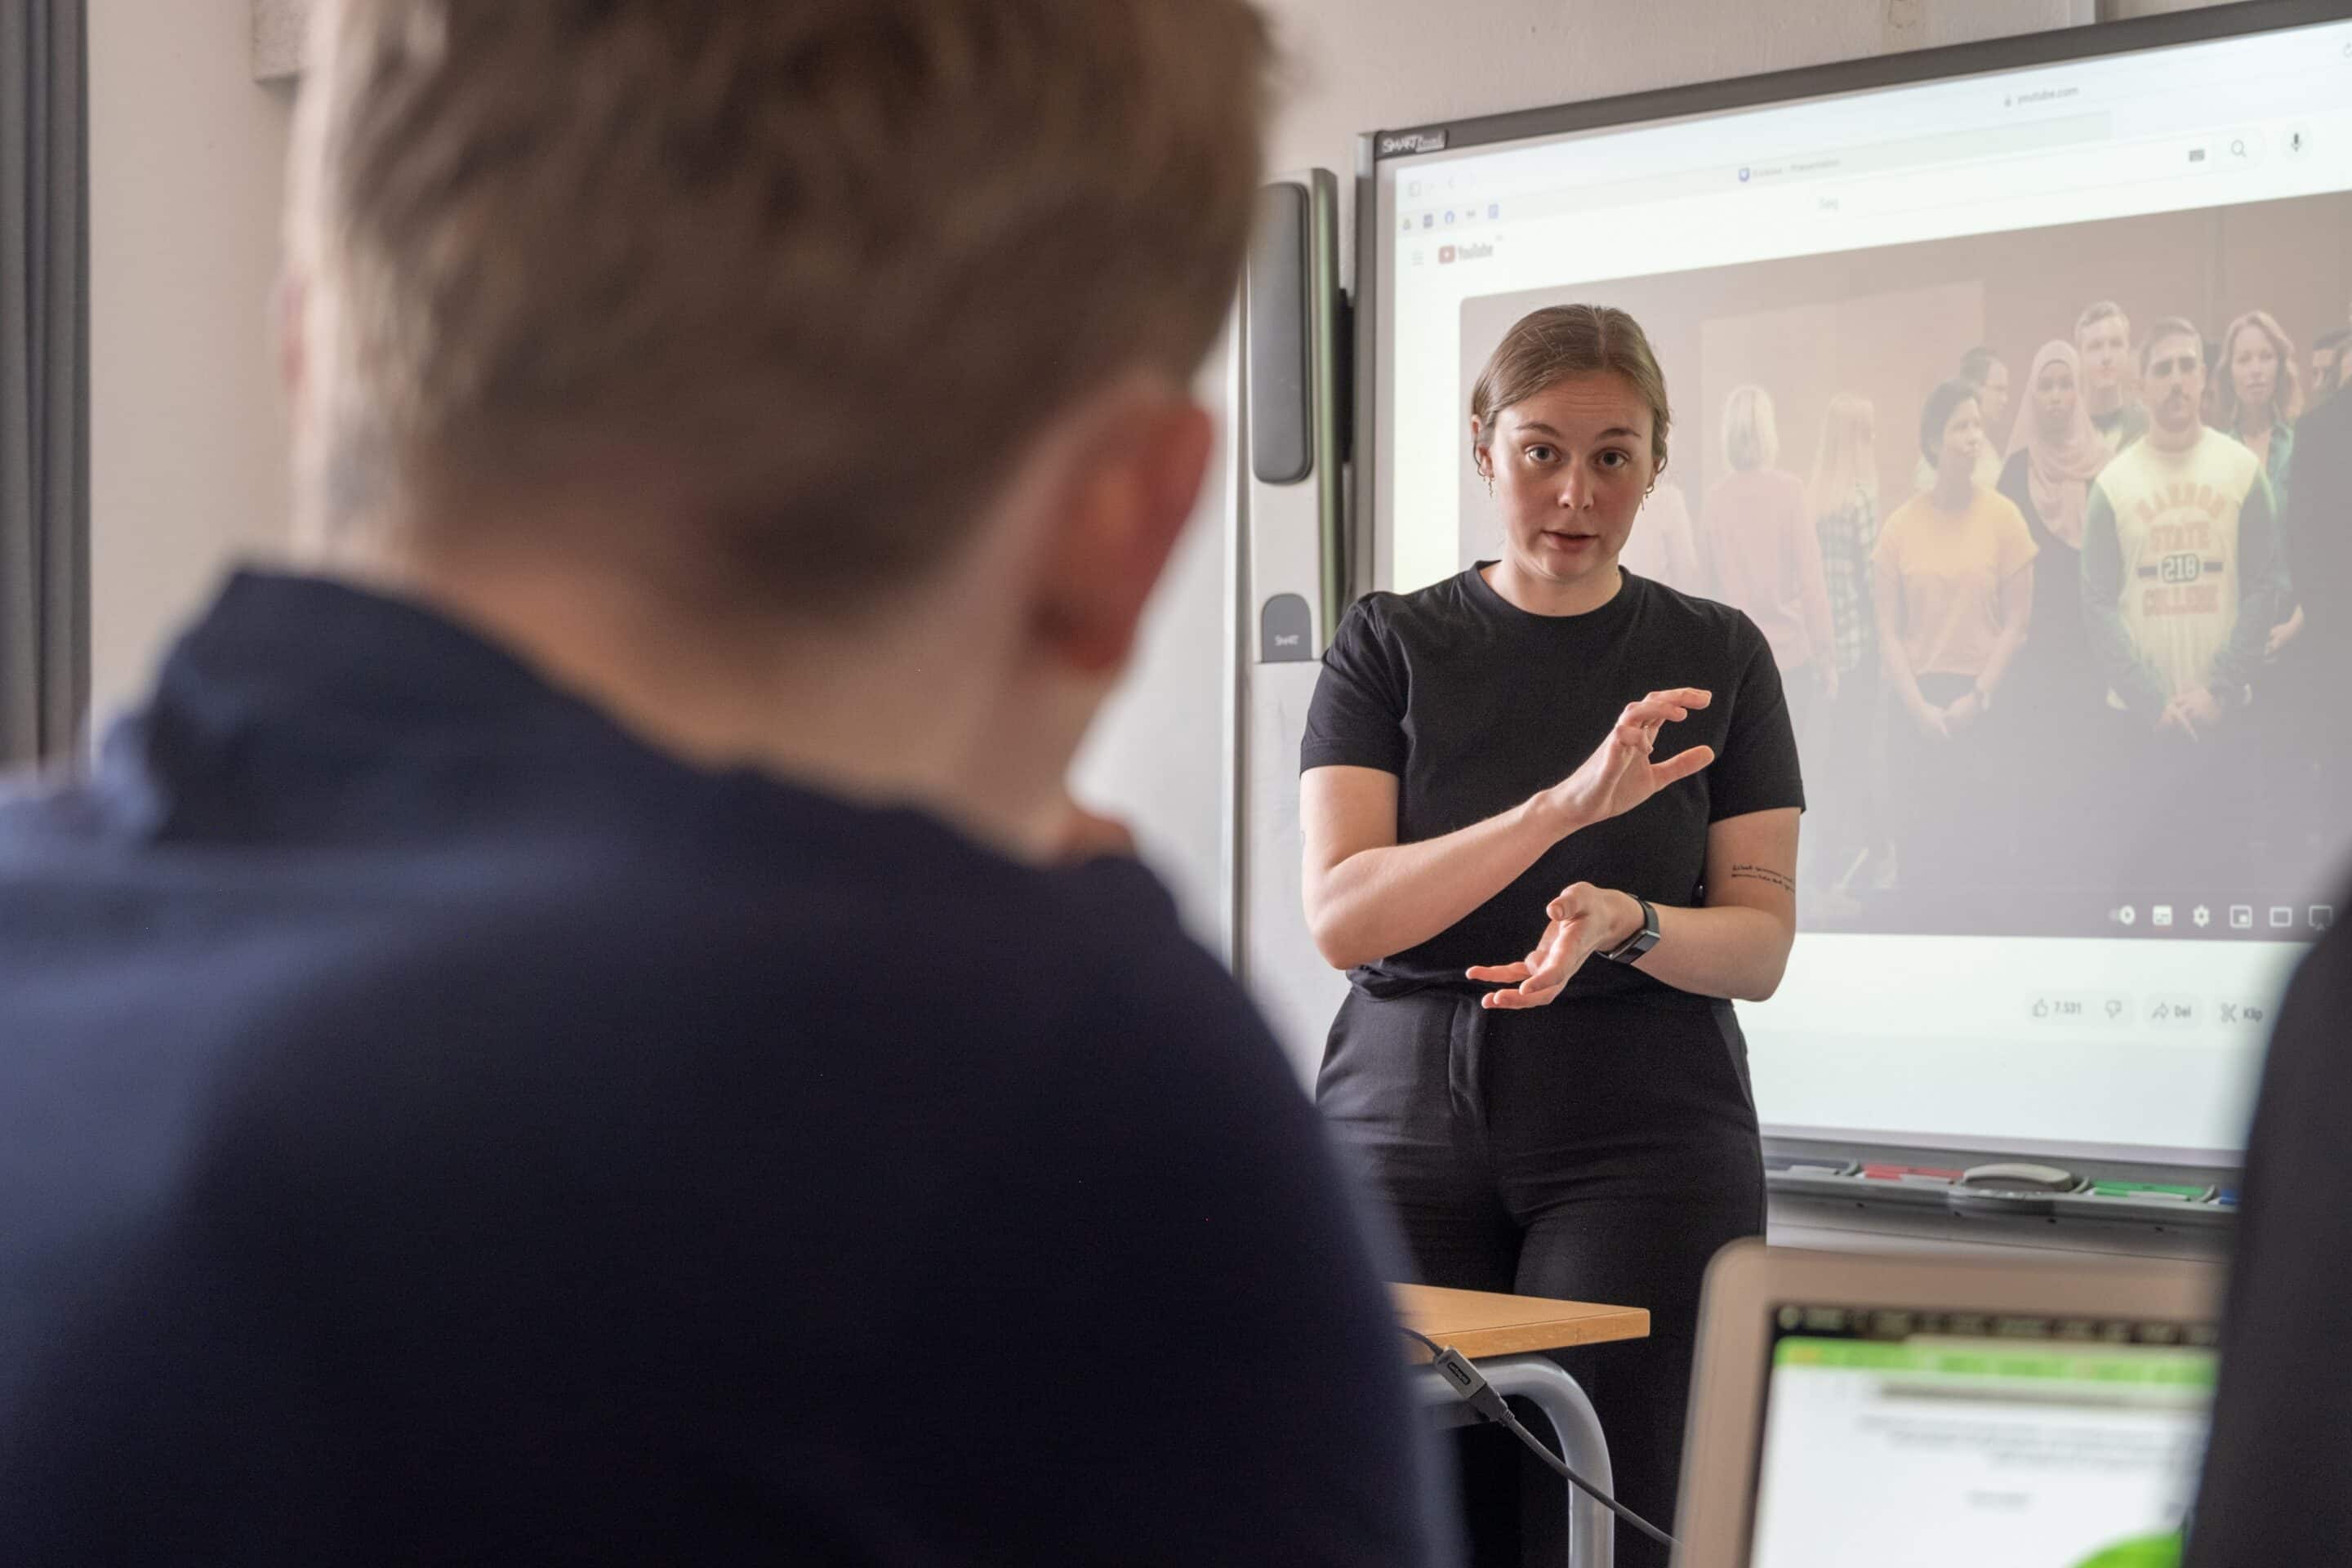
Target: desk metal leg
1538,1380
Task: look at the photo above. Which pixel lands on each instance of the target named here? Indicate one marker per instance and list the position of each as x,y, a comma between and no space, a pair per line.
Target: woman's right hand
1620,775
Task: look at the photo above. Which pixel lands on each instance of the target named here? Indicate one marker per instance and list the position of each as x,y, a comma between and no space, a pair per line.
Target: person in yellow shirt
1952,594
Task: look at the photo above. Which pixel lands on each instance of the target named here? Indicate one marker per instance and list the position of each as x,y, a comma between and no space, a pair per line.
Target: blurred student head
1984,370
737,327
1951,429
2103,337
2257,379
1751,434
1845,463
2172,380
2326,352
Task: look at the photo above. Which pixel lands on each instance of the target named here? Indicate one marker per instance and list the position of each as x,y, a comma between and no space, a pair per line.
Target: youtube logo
1445,254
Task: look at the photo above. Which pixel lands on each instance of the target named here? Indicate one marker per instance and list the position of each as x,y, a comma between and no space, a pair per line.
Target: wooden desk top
1481,1323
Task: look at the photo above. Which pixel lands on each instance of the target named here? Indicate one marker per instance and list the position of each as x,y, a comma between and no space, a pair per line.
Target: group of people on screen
2094,575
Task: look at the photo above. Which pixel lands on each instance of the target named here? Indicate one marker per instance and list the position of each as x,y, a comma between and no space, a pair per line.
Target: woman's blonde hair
2286,395
1846,462
1752,436
1552,344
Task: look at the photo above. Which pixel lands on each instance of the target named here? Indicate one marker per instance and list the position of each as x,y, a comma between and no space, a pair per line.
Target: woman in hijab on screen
2058,453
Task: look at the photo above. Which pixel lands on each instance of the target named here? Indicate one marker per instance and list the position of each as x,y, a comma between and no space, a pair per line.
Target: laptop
1883,1408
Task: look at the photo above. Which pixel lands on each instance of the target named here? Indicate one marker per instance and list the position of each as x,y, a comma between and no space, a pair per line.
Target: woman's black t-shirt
1476,705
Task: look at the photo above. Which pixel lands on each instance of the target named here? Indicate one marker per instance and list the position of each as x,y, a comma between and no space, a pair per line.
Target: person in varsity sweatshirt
2180,554
2182,580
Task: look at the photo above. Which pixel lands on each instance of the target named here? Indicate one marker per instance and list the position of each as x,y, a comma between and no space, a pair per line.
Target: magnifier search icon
2238,149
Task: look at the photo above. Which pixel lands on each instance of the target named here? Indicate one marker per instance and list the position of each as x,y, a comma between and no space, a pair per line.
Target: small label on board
1396,144
1285,630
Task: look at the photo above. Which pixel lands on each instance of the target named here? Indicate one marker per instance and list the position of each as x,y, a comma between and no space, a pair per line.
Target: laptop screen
1971,1438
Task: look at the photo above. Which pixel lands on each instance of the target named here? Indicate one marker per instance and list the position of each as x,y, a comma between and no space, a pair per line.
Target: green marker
2165,1189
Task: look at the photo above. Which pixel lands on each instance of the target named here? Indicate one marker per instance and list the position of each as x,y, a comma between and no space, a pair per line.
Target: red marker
1921,1174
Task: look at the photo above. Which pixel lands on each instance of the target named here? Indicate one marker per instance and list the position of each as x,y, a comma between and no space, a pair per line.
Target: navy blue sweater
435,1125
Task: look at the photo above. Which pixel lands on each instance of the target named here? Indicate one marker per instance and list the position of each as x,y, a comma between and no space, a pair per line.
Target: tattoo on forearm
1766,874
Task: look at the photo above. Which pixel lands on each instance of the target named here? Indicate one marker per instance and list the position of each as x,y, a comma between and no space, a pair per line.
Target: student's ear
1131,491
292,341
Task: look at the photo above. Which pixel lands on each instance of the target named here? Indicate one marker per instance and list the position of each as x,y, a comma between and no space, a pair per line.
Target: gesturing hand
1620,775
1585,920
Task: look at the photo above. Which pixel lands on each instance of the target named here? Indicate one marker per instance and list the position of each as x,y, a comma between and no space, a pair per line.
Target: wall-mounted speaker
1293,332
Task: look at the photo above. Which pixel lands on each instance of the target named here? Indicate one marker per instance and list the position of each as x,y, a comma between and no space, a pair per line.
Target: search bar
1972,146
1946,147
2156,159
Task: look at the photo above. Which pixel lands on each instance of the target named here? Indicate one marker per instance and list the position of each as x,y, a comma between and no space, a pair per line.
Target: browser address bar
1971,146
1944,147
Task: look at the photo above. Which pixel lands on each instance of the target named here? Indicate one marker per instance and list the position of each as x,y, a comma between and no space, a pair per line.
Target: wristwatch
1641,941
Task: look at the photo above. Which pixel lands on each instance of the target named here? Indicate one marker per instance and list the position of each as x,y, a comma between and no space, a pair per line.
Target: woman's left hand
1585,920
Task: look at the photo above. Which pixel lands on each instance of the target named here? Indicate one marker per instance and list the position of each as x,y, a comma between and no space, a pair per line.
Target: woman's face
1963,434
2054,398
2253,364
1571,465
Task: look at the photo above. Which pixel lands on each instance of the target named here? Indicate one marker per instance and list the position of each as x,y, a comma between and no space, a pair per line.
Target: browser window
2052,887
1965,1440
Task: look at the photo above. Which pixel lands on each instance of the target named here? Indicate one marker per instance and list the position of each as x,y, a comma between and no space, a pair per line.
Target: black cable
1435,1349
1470,1386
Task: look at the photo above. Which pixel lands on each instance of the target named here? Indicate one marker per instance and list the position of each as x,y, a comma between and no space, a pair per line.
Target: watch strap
1641,941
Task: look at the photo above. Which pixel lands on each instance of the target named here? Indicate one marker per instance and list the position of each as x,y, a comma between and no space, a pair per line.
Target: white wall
187,431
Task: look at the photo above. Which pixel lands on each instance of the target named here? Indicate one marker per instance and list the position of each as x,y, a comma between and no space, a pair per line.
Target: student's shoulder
989,980
2305,1067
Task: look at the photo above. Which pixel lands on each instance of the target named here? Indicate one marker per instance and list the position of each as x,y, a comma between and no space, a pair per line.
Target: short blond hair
1751,434
826,265
2099,311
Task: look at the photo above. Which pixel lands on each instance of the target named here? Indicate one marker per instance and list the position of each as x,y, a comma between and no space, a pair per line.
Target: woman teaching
1549,810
